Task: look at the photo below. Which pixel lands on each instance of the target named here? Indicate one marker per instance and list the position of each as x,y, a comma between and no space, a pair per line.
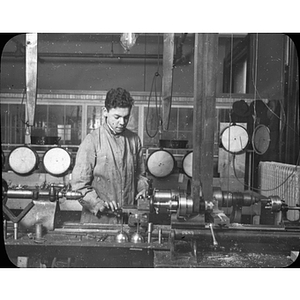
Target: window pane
71,132
94,118
12,123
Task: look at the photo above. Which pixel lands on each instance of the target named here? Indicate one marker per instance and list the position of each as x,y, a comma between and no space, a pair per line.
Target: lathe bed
82,245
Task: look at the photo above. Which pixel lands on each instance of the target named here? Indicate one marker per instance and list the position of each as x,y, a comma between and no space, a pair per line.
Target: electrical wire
154,85
257,95
157,113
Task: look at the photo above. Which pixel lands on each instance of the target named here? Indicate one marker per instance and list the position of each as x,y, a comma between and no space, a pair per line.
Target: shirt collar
111,129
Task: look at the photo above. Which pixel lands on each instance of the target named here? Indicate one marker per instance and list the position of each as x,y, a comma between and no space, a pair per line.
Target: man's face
117,118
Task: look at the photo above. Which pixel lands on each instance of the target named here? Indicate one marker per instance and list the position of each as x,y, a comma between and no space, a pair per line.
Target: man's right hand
99,208
102,206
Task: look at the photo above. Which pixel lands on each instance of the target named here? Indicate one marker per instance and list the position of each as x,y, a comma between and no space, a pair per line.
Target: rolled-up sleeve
83,173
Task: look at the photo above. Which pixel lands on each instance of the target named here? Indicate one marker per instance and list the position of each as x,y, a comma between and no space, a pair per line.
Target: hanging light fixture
128,40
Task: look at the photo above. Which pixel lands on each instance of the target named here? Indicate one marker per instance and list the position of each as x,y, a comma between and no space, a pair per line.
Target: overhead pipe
87,55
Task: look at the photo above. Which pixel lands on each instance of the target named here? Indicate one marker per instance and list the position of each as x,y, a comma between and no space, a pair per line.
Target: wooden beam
31,82
205,79
167,80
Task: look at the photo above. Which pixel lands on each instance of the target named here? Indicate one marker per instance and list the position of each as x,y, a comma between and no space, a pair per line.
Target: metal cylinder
71,195
249,200
15,231
227,199
159,236
150,228
165,202
19,194
38,231
185,205
275,203
218,195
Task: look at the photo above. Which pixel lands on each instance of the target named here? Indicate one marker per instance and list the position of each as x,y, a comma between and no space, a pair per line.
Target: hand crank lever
215,243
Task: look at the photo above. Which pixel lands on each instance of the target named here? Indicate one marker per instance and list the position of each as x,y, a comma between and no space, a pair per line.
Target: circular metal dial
160,163
57,161
23,160
187,164
261,139
234,138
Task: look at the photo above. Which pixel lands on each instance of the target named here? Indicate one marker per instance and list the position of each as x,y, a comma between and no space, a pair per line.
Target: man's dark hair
118,97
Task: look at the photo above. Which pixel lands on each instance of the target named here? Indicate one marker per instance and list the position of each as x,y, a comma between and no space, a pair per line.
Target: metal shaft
15,231
150,227
160,236
38,230
215,243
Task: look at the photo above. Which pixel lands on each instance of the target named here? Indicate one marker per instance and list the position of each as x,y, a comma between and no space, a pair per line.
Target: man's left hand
142,194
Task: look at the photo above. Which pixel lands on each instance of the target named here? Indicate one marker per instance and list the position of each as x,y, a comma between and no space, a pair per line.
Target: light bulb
128,40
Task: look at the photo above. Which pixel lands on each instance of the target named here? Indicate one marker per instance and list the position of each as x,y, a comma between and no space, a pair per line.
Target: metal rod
87,55
293,208
215,243
15,231
159,236
150,228
19,194
38,230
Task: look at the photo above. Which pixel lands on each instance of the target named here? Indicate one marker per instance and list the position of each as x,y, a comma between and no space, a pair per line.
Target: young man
109,169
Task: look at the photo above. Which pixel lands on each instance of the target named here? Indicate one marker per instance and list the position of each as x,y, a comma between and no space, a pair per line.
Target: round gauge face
57,161
234,138
261,139
22,160
187,164
160,163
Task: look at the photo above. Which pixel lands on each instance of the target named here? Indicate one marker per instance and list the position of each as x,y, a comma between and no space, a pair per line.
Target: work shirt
108,167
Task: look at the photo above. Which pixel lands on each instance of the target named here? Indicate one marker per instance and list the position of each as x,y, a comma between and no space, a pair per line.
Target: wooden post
167,78
205,78
31,82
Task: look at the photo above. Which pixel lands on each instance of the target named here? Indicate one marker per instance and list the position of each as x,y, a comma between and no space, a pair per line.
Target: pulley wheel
234,139
57,161
261,139
160,163
23,160
187,164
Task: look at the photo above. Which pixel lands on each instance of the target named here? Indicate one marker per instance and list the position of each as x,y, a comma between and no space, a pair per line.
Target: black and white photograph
150,150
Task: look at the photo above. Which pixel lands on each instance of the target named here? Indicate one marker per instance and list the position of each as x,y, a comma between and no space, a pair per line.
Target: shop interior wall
57,74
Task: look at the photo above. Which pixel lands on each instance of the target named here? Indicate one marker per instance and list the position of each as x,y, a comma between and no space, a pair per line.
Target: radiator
282,180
